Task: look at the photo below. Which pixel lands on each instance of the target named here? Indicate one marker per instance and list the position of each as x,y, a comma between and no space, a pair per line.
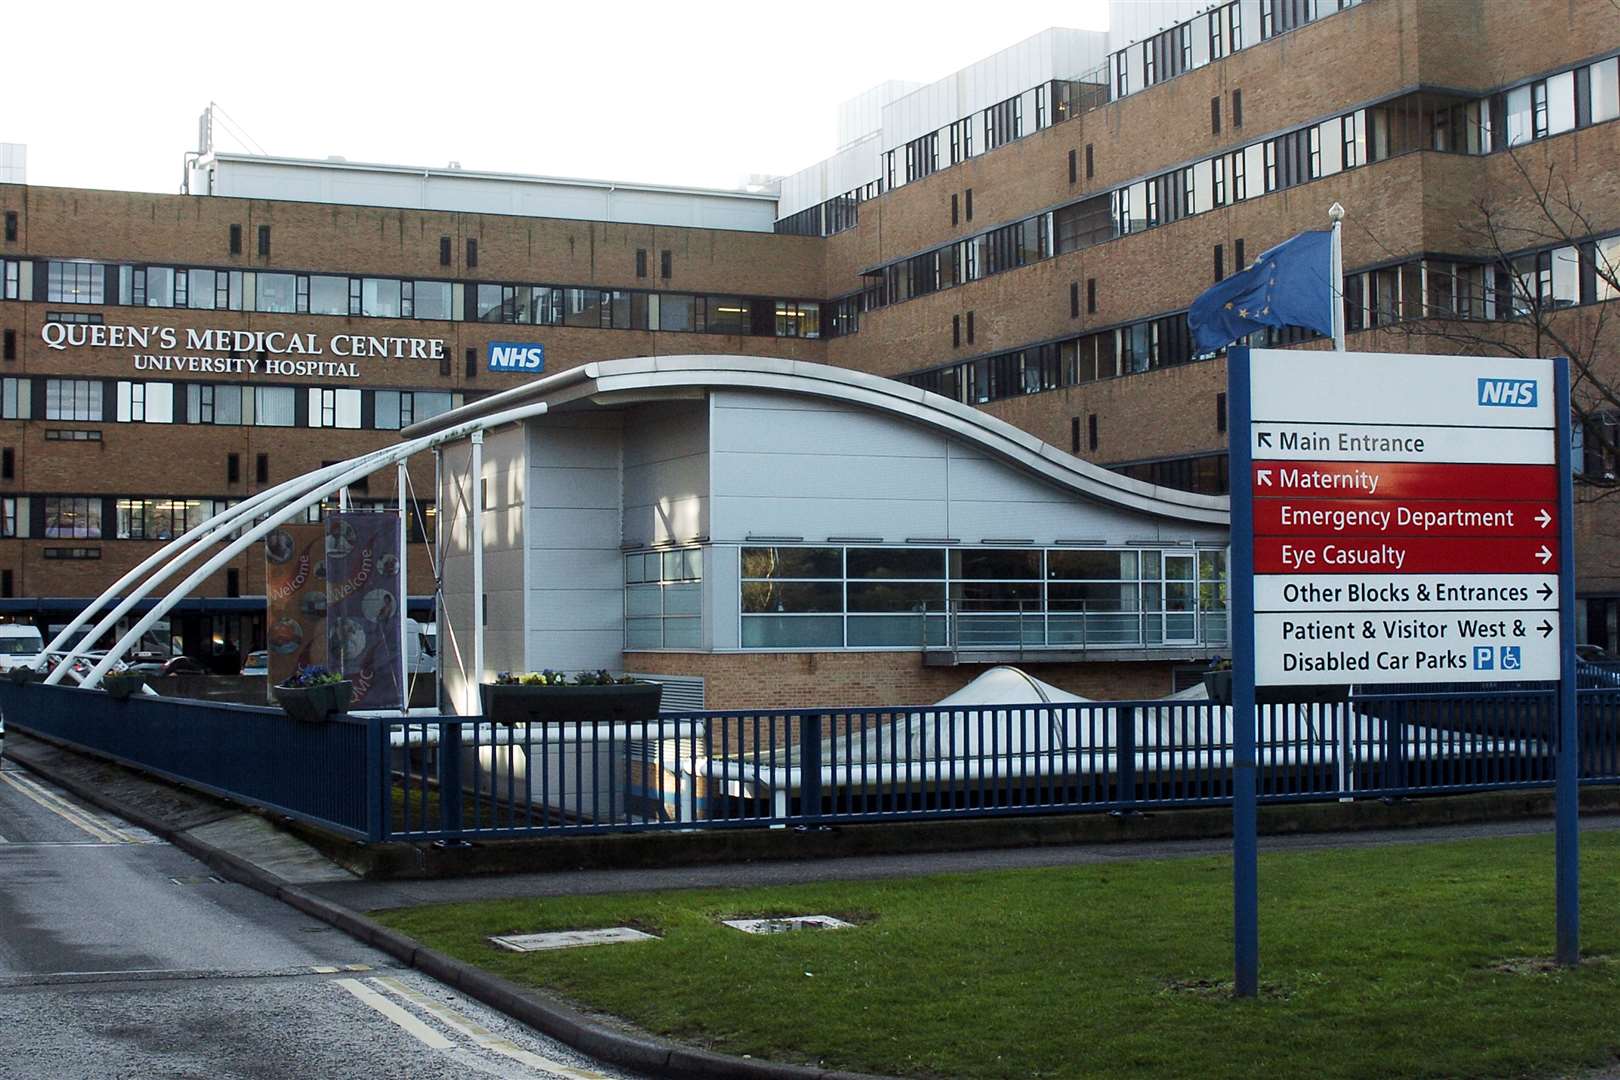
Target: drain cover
570,939
788,923
199,879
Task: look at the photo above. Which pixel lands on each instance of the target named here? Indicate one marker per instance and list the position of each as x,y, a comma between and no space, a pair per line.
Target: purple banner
364,606
295,596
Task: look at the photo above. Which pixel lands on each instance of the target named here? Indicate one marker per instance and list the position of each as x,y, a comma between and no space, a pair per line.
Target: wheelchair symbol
1510,658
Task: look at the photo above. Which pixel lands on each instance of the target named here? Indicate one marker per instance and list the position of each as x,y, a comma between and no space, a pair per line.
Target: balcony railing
1025,625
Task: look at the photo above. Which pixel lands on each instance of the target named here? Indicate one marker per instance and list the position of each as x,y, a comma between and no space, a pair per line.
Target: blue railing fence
441,777
316,772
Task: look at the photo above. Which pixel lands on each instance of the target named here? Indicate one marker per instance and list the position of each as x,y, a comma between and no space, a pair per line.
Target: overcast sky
107,95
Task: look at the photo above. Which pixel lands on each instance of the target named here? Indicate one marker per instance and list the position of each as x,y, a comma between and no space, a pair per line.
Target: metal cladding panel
1131,21
721,596
666,473
737,517
576,570
831,476
851,167
575,650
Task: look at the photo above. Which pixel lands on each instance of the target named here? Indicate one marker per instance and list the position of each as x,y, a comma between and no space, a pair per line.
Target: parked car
174,665
258,663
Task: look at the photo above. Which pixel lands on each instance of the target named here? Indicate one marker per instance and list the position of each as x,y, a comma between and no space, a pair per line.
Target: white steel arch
280,504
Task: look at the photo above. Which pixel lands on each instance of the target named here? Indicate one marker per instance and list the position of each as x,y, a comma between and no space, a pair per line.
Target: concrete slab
571,939
787,924
257,841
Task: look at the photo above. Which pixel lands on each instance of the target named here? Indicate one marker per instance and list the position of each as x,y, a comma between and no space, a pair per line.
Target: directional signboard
1401,517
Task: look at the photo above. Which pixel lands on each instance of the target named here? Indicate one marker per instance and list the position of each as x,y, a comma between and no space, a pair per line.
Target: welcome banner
364,606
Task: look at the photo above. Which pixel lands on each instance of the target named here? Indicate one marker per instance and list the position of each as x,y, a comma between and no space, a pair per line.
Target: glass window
1560,104
728,315
432,299
1608,268
896,563
328,295
1566,277
201,289
1091,565
159,286
1519,128
72,399
996,563
277,293
379,298
386,405
792,562
1606,90
75,282
274,406
76,517
16,399
582,307
487,306
676,312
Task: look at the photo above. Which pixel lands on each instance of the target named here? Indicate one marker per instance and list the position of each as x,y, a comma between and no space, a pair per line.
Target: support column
475,499
404,592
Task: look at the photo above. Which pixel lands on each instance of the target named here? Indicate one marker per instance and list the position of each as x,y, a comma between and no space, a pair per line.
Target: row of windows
1431,287
75,281
1587,95
833,216
663,599
1206,38
83,517
230,404
831,597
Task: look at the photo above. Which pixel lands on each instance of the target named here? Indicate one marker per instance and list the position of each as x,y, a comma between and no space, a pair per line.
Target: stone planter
619,703
120,685
313,704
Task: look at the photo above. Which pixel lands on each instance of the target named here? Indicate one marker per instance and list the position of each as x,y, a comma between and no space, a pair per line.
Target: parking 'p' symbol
1484,658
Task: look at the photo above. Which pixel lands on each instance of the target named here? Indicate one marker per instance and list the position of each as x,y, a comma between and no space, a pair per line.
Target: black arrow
1546,628
1265,440
1546,591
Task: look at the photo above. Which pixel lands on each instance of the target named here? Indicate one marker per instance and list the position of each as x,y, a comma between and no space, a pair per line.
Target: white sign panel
1405,518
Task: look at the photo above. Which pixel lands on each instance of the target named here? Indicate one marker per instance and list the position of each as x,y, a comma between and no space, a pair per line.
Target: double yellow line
104,831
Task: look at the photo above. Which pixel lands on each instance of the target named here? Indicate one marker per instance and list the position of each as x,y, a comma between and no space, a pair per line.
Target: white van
421,647
20,644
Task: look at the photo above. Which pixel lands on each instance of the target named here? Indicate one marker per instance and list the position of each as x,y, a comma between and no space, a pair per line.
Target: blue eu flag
1287,286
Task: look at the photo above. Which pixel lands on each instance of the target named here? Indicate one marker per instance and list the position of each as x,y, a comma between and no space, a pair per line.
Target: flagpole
1336,269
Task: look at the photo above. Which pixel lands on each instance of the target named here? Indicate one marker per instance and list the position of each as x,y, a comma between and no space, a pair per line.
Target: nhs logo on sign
1517,393
528,356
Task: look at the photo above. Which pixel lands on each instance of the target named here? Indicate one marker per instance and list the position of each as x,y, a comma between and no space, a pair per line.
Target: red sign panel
1397,517
1403,480
1403,555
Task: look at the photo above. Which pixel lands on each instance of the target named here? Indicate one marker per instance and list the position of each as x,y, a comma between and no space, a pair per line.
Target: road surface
121,956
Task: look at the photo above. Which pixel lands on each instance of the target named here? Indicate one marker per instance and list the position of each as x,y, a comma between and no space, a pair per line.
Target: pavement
364,895
123,956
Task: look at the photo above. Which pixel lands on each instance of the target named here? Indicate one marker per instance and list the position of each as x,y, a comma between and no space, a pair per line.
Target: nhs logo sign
528,356
1517,393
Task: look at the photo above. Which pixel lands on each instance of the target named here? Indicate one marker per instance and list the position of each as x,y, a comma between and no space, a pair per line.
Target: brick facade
1413,204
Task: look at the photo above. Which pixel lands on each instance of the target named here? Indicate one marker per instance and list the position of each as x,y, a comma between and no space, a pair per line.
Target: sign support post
1398,520
1567,828
1245,809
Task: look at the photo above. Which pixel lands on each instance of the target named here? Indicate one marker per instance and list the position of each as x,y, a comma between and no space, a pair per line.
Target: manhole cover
570,939
787,924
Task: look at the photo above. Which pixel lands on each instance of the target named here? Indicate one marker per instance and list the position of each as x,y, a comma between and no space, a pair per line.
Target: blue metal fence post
810,765
1245,811
378,780
1567,872
1125,754
450,777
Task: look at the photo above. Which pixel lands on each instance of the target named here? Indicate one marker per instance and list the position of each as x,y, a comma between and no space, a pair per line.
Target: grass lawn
1396,961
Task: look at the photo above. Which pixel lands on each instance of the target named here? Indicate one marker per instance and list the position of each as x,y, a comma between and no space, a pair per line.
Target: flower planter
620,703
121,685
313,704
22,675
1218,685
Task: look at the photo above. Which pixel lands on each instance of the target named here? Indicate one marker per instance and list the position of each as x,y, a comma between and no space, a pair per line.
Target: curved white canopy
652,377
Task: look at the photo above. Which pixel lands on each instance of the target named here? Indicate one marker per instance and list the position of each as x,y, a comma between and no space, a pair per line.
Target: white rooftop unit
13,163
455,189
